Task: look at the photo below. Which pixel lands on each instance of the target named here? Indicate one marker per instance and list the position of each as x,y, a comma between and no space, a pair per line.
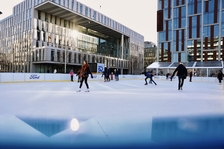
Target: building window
90,13
160,4
73,4
86,11
105,20
77,7
94,15
52,55
81,8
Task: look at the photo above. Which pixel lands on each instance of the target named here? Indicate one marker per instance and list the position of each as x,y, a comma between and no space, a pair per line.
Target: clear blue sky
138,15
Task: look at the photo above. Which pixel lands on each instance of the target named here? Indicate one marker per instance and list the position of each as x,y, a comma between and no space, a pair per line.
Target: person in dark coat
151,77
85,71
117,72
190,75
148,75
181,73
220,76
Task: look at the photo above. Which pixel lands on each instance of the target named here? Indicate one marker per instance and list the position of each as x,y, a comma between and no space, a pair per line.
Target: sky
139,15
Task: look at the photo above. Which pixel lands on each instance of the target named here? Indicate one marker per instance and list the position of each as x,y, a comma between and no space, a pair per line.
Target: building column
72,57
55,55
202,30
122,46
220,31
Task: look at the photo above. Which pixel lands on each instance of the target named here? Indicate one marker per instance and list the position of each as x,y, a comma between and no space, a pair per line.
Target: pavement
116,114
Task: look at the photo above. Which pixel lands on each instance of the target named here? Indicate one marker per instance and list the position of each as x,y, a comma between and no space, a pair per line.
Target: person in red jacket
181,73
85,71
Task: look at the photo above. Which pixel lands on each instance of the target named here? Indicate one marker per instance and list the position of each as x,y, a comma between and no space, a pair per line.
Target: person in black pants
85,71
220,77
151,78
148,75
182,74
190,76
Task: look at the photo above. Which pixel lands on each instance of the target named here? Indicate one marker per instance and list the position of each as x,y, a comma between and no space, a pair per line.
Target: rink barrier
51,77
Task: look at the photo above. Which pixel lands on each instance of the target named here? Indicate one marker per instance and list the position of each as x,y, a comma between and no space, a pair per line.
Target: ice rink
115,113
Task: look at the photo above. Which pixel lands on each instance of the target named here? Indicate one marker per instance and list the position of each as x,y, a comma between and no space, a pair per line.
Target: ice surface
110,109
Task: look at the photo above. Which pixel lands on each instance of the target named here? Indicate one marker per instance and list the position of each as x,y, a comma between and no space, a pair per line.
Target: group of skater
84,72
108,75
181,74
181,71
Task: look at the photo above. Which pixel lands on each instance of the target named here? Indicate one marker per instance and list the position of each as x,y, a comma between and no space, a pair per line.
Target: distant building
190,30
43,35
150,52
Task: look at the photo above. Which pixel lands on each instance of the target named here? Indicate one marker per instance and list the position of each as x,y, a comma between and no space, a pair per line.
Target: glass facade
195,31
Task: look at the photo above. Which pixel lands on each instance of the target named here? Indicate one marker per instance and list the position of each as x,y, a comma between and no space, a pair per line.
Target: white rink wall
49,77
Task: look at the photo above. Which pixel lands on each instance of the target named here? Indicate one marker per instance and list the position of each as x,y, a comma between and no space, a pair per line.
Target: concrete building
43,35
190,30
150,53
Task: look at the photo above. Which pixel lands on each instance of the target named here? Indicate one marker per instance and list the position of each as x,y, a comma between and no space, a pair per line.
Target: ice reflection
50,127
188,129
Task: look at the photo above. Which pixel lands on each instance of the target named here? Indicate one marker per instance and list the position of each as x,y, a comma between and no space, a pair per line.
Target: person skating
190,75
181,73
148,75
116,74
85,71
106,75
71,75
220,76
151,78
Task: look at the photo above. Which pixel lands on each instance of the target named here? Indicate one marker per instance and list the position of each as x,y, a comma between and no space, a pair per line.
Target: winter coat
71,73
85,71
181,71
220,75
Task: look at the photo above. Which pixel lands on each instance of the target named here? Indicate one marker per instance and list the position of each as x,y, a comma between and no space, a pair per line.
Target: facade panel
197,30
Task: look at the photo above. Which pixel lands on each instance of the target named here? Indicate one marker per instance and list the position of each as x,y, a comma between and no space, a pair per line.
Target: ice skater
190,75
181,73
116,74
106,75
71,75
148,75
220,76
85,71
151,77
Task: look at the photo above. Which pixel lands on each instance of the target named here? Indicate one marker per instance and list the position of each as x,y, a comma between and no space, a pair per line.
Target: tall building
150,53
190,30
44,35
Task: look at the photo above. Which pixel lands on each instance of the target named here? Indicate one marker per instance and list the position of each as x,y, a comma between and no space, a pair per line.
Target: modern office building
150,53
44,35
190,30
